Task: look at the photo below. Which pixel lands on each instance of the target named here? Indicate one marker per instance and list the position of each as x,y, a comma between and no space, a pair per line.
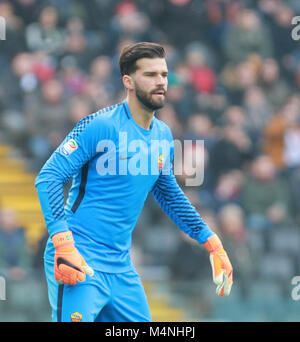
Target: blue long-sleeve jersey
114,164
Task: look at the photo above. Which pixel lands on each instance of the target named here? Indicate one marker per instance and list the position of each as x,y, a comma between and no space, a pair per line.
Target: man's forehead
152,64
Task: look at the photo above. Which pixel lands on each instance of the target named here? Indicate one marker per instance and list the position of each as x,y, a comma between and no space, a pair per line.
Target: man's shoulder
104,117
108,112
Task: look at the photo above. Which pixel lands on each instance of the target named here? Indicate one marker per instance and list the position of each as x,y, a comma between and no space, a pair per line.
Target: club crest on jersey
69,147
76,317
161,161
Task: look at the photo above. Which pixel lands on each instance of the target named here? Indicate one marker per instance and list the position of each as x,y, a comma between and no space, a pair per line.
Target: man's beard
147,100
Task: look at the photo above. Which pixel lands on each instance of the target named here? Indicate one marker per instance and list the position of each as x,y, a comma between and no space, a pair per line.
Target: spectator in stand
129,21
281,135
101,70
233,229
188,13
238,78
258,111
72,76
81,44
78,108
234,116
27,10
76,45
14,42
265,196
45,34
180,268
228,190
14,256
168,115
219,15
20,68
232,151
274,139
248,35
274,87
291,153
280,28
97,92
196,269
200,126
47,120
181,93
202,76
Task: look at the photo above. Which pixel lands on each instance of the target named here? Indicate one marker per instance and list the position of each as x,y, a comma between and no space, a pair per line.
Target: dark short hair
130,54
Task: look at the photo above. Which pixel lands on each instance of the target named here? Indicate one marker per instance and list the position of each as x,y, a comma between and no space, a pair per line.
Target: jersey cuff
57,227
204,235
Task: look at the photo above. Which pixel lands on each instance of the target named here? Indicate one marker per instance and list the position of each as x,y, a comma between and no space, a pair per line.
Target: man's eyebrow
155,72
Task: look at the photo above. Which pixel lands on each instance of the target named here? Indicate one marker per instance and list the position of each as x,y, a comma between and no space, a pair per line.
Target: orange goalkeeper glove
69,265
221,266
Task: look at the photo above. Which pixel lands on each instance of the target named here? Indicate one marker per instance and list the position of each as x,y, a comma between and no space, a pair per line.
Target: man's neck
139,113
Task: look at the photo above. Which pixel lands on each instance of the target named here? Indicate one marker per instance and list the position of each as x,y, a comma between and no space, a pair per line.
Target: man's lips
159,92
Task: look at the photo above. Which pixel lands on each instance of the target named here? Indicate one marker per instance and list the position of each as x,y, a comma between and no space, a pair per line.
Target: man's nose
161,80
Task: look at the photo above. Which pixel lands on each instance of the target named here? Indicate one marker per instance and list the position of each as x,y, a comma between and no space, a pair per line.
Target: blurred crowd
234,82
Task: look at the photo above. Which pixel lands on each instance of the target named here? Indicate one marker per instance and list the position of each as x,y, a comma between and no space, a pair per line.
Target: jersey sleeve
74,152
177,206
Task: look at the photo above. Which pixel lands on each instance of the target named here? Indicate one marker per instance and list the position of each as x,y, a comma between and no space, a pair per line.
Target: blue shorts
105,297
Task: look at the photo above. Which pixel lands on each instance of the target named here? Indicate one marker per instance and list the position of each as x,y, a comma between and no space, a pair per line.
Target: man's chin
153,103
157,106
159,103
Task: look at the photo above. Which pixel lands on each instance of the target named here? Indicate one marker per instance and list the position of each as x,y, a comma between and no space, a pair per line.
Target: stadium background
234,82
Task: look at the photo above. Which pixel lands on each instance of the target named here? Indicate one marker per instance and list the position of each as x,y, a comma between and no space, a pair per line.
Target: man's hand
221,266
69,265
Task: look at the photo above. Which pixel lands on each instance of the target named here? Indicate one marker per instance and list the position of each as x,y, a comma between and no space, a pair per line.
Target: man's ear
128,82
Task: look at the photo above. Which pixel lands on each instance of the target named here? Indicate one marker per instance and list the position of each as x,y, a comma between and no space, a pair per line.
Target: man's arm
177,206
77,149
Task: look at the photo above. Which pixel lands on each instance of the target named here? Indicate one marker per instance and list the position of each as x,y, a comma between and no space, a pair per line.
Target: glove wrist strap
213,243
63,240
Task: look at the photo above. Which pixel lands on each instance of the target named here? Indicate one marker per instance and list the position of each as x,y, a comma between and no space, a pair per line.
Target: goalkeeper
89,273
